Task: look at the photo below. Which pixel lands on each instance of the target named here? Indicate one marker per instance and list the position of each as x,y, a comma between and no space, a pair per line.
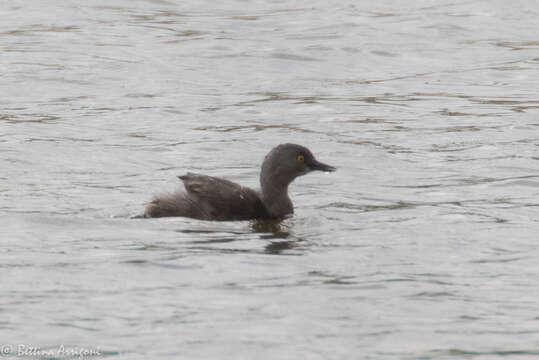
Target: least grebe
212,198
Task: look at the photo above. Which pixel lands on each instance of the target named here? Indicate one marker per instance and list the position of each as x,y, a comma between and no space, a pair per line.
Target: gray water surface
423,245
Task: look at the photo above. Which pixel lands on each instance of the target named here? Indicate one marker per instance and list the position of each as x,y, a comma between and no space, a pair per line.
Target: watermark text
62,351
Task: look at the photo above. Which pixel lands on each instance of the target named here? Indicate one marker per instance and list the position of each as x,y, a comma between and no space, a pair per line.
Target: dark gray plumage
212,198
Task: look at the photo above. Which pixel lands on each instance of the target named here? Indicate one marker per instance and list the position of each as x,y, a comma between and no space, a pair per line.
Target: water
423,245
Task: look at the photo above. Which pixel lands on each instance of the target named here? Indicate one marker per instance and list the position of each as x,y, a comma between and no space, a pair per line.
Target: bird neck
275,197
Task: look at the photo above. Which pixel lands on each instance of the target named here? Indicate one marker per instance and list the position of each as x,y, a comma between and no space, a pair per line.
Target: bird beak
317,165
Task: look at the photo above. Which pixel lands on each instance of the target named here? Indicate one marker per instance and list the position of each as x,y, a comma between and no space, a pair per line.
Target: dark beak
317,165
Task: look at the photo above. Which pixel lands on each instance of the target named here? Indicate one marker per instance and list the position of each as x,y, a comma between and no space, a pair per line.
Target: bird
213,198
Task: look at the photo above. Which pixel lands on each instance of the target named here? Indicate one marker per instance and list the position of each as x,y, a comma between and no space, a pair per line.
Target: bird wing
207,186
222,199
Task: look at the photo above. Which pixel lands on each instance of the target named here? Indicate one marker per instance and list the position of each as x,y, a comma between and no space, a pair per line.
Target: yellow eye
300,158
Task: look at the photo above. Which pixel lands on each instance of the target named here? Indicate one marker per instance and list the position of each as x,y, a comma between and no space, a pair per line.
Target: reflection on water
279,247
273,232
276,228
427,231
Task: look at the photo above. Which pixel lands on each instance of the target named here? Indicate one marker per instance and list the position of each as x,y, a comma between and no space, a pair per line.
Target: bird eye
300,158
